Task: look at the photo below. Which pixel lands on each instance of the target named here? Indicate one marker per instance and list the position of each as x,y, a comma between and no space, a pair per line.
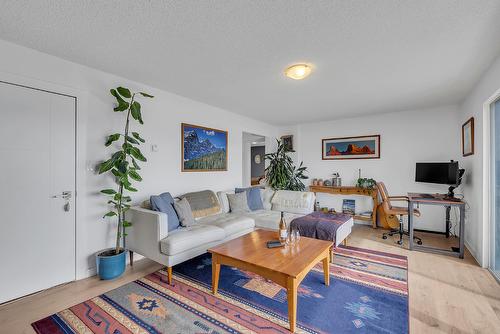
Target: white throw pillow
238,202
267,195
224,203
293,201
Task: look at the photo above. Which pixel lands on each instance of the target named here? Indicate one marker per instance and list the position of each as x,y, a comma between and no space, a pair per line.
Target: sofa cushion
267,195
224,203
187,238
269,219
164,203
238,202
203,203
293,201
184,212
254,200
230,223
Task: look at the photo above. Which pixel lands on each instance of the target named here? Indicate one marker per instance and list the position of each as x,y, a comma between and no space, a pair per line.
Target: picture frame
357,147
203,149
468,137
288,141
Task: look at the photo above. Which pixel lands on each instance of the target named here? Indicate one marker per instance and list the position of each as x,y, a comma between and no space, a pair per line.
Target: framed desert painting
468,137
203,149
362,147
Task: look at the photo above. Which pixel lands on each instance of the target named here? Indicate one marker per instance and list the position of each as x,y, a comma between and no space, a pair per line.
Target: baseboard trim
474,255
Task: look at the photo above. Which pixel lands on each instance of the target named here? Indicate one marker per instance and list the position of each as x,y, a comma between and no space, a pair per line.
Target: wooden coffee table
286,266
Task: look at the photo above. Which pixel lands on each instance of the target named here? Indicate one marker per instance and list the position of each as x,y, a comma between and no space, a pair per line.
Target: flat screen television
437,172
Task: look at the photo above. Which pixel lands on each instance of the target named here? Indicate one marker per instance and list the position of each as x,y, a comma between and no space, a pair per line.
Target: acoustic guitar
386,220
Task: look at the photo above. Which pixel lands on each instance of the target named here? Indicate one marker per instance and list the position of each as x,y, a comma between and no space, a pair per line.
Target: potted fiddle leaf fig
124,166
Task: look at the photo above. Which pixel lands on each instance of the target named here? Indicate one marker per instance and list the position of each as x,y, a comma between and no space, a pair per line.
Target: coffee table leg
215,274
326,269
292,302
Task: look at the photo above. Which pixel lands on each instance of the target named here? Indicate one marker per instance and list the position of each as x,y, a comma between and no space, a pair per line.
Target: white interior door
37,187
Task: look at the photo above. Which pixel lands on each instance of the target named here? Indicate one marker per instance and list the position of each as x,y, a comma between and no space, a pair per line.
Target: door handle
64,195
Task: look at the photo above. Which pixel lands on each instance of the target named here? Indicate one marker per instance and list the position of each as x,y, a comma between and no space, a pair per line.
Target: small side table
429,199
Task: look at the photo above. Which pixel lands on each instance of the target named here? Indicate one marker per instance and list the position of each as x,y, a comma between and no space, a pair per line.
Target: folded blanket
203,203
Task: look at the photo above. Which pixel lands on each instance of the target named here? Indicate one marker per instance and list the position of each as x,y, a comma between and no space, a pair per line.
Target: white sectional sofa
149,234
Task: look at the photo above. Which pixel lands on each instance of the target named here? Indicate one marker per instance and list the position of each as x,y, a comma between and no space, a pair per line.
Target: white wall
476,233
162,116
406,138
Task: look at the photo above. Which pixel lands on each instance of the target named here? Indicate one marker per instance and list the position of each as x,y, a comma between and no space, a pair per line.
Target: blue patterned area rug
368,293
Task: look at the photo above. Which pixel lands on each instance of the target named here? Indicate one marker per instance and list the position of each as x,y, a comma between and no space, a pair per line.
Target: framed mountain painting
362,147
203,149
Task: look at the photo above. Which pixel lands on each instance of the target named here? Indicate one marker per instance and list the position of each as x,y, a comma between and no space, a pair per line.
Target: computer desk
430,199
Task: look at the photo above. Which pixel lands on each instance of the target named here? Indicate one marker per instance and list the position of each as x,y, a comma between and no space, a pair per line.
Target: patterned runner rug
368,293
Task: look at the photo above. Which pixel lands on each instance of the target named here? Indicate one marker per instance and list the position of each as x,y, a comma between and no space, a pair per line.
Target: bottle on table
282,229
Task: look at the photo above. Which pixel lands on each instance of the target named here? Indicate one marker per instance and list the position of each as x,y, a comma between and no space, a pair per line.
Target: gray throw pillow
238,202
184,212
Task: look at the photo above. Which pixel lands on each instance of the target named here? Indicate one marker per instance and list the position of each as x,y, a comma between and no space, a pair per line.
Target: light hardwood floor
447,295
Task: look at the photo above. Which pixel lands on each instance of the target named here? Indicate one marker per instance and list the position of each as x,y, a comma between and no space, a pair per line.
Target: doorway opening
254,150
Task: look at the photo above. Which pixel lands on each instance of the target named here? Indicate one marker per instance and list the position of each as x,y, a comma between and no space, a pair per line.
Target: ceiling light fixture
298,71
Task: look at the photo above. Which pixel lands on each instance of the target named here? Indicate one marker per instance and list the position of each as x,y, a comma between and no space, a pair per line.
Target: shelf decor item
362,147
468,137
124,167
349,206
203,149
366,183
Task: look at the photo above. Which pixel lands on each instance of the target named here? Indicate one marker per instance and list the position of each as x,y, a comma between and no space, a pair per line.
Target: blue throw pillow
165,203
253,197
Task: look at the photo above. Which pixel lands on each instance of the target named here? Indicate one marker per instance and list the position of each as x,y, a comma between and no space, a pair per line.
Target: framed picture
362,147
288,141
203,149
468,137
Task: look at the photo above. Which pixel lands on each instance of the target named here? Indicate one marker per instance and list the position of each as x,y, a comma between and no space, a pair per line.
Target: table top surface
433,198
290,260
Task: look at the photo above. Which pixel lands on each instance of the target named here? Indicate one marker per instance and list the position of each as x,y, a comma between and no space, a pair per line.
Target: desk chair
396,210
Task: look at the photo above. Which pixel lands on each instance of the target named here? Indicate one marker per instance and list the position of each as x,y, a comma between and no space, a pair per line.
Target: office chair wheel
384,237
400,242
419,242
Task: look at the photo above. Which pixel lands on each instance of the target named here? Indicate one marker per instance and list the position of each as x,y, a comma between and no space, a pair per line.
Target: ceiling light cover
298,71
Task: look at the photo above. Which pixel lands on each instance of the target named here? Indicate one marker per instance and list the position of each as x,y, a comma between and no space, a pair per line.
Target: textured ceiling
371,56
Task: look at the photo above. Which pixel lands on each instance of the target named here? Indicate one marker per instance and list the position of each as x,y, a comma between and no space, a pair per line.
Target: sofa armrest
148,228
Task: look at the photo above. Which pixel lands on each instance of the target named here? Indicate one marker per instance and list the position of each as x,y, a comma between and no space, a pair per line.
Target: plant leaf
136,153
136,166
112,138
132,140
130,188
146,95
124,92
122,106
106,165
135,110
108,191
134,175
110,214
122,166
138,137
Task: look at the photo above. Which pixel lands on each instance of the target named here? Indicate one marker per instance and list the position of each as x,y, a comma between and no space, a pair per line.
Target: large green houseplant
281,173
123,165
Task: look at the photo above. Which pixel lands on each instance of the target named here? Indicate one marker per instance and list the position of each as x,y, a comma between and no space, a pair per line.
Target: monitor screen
437,172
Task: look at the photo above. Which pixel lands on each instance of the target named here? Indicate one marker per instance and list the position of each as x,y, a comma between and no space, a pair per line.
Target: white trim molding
487,189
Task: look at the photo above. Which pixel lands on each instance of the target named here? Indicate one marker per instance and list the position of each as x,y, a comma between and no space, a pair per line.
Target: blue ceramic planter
110,266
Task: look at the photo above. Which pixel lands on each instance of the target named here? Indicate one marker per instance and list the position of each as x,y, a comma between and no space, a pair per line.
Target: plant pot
110,265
